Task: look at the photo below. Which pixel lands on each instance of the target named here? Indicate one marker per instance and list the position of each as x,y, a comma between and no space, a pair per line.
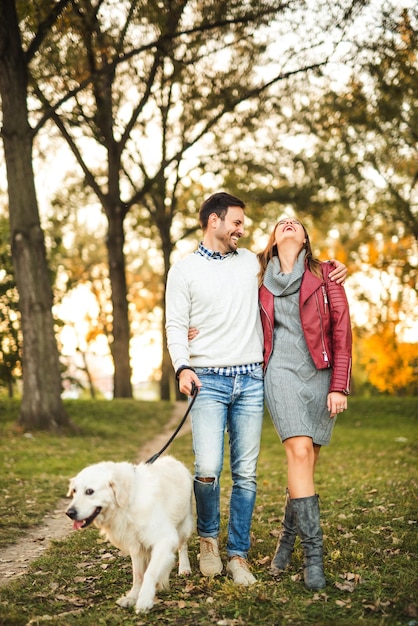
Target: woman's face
289,228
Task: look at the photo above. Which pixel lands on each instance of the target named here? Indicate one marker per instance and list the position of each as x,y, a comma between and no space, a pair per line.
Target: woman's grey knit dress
296,392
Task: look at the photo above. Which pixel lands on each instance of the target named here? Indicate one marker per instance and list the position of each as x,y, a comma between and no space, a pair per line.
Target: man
215,290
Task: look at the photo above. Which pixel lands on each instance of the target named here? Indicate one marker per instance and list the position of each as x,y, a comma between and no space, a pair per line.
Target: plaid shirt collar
210,254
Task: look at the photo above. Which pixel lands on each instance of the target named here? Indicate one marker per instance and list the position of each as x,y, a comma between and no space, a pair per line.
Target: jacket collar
310,283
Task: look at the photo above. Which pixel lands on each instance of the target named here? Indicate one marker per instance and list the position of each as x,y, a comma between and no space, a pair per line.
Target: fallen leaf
264,560
411,610
347,586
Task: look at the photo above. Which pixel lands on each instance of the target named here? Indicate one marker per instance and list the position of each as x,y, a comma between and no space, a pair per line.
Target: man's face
229,230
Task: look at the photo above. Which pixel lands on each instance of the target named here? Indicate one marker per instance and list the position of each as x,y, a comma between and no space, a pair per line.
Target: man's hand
339,274
186,378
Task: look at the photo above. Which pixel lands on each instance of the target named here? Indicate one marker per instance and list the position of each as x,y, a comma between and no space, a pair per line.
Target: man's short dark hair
217,203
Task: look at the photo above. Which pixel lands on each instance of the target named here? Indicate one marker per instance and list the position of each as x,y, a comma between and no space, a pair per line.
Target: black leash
194,393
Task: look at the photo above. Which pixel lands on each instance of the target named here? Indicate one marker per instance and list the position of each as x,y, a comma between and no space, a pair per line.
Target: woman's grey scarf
284,284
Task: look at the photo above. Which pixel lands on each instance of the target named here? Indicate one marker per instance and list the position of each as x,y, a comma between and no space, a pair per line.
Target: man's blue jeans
235,404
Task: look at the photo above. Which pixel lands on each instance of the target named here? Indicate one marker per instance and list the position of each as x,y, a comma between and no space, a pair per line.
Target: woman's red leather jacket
325,318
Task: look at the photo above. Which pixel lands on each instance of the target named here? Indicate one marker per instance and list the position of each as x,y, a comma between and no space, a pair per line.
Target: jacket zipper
324,293
347,384
324,352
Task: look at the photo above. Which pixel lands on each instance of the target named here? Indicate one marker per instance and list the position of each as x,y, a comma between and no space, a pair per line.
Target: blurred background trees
41,405
140,109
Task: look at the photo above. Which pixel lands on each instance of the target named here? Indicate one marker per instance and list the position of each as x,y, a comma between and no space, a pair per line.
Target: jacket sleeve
341,336
266,304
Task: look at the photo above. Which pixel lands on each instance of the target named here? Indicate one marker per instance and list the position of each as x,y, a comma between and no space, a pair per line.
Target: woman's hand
193,332
336,403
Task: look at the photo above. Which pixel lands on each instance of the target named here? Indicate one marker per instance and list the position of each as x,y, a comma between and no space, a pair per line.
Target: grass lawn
367,481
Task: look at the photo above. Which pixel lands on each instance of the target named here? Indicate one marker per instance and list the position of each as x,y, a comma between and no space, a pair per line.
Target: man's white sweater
220,299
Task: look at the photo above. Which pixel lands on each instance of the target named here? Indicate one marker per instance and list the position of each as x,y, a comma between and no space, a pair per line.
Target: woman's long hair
313,264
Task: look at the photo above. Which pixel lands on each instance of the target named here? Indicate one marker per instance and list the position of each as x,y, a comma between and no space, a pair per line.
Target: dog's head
96,490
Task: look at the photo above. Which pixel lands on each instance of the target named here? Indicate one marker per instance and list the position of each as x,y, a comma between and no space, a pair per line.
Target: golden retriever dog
144,510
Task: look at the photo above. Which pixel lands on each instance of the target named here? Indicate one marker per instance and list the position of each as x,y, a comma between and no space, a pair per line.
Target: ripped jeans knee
207,494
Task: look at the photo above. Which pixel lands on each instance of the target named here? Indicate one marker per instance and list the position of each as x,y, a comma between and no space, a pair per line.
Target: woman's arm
341,338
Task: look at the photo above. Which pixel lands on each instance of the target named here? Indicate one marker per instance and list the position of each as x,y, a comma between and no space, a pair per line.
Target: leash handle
194,392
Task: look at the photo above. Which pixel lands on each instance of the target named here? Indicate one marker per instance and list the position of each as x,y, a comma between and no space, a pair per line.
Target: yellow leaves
373,254
390,365
381,252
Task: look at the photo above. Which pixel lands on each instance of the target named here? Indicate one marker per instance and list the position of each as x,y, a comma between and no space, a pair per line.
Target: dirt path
15,559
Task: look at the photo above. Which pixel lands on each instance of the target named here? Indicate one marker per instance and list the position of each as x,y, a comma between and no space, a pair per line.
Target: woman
307,361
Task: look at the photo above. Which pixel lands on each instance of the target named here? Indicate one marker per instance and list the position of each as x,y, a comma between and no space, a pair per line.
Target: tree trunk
119,344
41,406
166,367
168,384
86,370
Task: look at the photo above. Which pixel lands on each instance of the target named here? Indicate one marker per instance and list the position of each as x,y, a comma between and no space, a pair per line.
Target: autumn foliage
391,366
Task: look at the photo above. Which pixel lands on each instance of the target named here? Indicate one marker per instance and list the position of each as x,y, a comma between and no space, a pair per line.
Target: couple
236,320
